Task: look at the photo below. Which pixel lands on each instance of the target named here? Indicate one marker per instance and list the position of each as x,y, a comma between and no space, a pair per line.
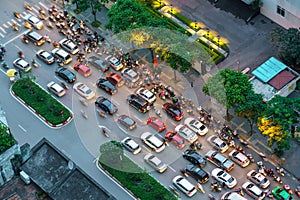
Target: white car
196,126
131,145
34,21
186,133
223,177
45,56
83,90
153,142
114,63
69,46
217,143
239,158
184,185
131,75
22,64
155,163
56,89
253,191
146,94
258,178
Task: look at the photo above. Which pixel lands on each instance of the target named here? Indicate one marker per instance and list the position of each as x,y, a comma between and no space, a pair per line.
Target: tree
95,5
110,153
229,87
288,43
251,108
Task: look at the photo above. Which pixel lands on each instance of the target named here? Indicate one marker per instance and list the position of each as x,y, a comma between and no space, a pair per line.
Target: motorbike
27,25
174,190
211,197
34,63
42,17
280,171
297,191
4,64
27,6
243,142
196,145
101,113
288,189
83,113
64,85
15,27
83,101
21,54
200,188
250,157
17,15
104,132
184,173
215,187
55,44
277,179
42,11
25,40
158,113
49,25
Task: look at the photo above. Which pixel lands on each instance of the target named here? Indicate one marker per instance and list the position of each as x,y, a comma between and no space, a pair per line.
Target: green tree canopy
288,43
229,87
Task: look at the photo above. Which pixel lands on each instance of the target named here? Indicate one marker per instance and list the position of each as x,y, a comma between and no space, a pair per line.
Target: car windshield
128,121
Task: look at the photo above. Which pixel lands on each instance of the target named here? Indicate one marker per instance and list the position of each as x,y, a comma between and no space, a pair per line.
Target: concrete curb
40,117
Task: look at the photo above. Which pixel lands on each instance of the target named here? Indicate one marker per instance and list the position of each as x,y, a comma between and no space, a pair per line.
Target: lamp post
195,23
171,10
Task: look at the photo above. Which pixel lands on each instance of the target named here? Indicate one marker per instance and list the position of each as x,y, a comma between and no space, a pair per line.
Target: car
131,145
156,123
45,56
56,89
223,177
99,63
106,105
107,86
62,55
65,74
258,178
281,194
69,46
82,69
22,65
138,103
34,37
232,195
175,139
196,126
115,79
127,121
83,90
147,95
153,142
130,75
217,143
184,185
219,160
240,158
173,111
197,173
253,191
34,21
186,133
194,157
155,163
114,63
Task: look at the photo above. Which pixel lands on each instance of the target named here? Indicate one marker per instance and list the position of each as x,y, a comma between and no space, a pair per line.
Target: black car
65,74
194,157
173,111
107,86
99,63
197,173
106,105
35,37
138,103
127,121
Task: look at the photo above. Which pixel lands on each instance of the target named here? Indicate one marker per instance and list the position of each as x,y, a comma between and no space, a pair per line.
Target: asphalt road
80,140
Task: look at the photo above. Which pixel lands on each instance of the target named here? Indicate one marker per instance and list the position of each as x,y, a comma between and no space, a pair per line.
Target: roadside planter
48,109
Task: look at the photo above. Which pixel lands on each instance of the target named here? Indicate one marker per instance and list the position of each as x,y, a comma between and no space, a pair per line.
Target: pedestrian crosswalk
6,27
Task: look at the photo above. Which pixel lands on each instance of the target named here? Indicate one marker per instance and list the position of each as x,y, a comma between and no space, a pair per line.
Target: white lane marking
5,26
23,15
44,5
146,148
115,102
137,118
173,123
15,22
21,127
9,41
2,35
18,47
2,29
10,24
171,168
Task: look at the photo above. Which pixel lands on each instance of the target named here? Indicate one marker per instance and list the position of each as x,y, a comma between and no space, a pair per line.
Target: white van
62,55
232,196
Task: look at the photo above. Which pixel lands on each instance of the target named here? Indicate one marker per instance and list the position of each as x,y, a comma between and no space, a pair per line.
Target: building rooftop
281,79
56,175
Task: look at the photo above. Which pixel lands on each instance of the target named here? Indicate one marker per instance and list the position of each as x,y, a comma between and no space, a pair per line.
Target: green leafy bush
41,101
6,138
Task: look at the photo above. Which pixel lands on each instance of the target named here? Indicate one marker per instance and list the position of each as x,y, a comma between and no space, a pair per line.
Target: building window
280,11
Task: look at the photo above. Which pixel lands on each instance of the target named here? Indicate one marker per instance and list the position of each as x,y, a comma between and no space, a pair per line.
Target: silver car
56,89
34,21
131,145
155,163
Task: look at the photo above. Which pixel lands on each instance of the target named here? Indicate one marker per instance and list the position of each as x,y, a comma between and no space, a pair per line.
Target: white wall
292,12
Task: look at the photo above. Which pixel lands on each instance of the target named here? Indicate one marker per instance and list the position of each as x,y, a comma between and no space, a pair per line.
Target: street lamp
218,40
171,9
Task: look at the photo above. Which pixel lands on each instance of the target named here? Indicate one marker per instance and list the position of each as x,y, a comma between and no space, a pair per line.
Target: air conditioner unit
25,177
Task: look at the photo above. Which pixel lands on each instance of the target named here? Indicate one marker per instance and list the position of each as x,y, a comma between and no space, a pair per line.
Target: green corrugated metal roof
269,69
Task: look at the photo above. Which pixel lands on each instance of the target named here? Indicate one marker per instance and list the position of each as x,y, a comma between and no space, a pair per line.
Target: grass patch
137,180
41,101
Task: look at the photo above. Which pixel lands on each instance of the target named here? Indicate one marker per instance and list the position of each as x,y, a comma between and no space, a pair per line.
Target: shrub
41,101
6,138
96,24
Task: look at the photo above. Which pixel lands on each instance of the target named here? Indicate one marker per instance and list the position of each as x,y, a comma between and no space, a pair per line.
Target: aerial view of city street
150,99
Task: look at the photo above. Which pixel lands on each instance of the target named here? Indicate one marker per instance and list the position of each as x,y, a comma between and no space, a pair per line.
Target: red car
173,111
175,139
156,123
115,79
82,69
